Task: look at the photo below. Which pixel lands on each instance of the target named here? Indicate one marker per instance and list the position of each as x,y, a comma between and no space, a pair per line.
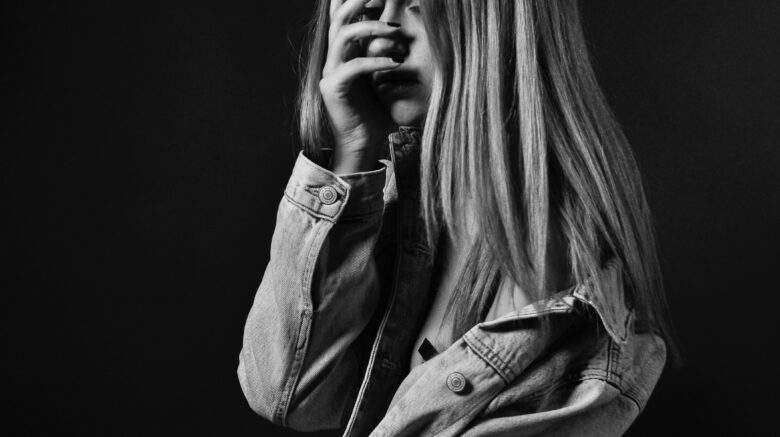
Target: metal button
328,195
456,382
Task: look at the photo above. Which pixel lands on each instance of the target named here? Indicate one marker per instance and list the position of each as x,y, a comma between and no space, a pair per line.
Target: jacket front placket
409,299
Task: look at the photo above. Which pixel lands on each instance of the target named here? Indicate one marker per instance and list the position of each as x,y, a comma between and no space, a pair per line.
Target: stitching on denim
636,401
309,210
345,192
612,379
332,176
302,337
580,295
489,356
604,320
611,358
292,377
615,354
357,407
613,375
371,212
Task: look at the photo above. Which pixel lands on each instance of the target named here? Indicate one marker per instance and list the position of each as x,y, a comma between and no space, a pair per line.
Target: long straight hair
519,144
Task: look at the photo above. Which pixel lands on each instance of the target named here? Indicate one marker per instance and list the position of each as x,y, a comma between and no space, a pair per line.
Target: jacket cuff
329,196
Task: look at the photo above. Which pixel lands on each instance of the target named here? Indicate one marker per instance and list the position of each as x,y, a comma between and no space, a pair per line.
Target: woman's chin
407,113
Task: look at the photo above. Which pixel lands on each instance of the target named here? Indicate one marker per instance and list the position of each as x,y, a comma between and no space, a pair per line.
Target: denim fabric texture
329,337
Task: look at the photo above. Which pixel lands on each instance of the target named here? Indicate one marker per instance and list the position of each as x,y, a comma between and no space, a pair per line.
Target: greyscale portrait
390,218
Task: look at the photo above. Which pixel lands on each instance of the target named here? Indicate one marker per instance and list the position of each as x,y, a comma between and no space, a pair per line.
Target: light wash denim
329,338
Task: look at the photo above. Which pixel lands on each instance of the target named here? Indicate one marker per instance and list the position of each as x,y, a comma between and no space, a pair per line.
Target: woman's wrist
354,161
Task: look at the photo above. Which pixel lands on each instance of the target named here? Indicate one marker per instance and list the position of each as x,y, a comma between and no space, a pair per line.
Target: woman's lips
396,88
395,84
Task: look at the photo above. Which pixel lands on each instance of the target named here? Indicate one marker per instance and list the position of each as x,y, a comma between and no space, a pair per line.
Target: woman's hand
358,122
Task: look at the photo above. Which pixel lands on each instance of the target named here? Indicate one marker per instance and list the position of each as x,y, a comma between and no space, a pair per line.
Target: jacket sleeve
317,295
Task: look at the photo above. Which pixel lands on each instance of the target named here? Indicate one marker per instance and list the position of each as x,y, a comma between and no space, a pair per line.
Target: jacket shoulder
589,365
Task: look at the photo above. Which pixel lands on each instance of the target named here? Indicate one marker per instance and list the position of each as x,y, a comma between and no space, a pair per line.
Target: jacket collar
406,134
615,315
404,148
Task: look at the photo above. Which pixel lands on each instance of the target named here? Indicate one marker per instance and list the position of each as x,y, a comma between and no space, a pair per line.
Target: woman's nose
393,46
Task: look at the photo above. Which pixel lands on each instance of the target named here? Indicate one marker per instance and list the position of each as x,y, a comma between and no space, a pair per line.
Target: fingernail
397,59
392,24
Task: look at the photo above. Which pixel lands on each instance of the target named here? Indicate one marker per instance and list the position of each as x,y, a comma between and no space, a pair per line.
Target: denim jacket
328,340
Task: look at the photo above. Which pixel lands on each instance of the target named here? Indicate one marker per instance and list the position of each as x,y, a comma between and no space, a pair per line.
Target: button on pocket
328,195
456,382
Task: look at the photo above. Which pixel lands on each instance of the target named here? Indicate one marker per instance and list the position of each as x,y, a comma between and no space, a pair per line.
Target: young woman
464,246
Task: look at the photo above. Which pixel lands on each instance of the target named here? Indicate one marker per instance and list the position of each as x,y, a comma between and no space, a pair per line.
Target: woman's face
403,91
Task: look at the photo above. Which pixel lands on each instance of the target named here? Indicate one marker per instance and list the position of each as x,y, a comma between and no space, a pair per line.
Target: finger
355,32
334,5
348,72
343,14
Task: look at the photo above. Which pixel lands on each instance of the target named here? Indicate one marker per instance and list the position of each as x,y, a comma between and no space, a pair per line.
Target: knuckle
354,63
361,64
370,28
327,70
352,31
340,38
340,15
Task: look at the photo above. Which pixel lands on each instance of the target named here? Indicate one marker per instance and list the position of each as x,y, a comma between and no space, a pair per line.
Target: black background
146,147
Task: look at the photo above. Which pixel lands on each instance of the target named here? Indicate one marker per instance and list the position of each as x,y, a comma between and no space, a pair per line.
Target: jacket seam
609,323
608,381
610,366
302,337
610,378
613,378
617,386
309,210
364,383
614,352
616,378
488,355
636,401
